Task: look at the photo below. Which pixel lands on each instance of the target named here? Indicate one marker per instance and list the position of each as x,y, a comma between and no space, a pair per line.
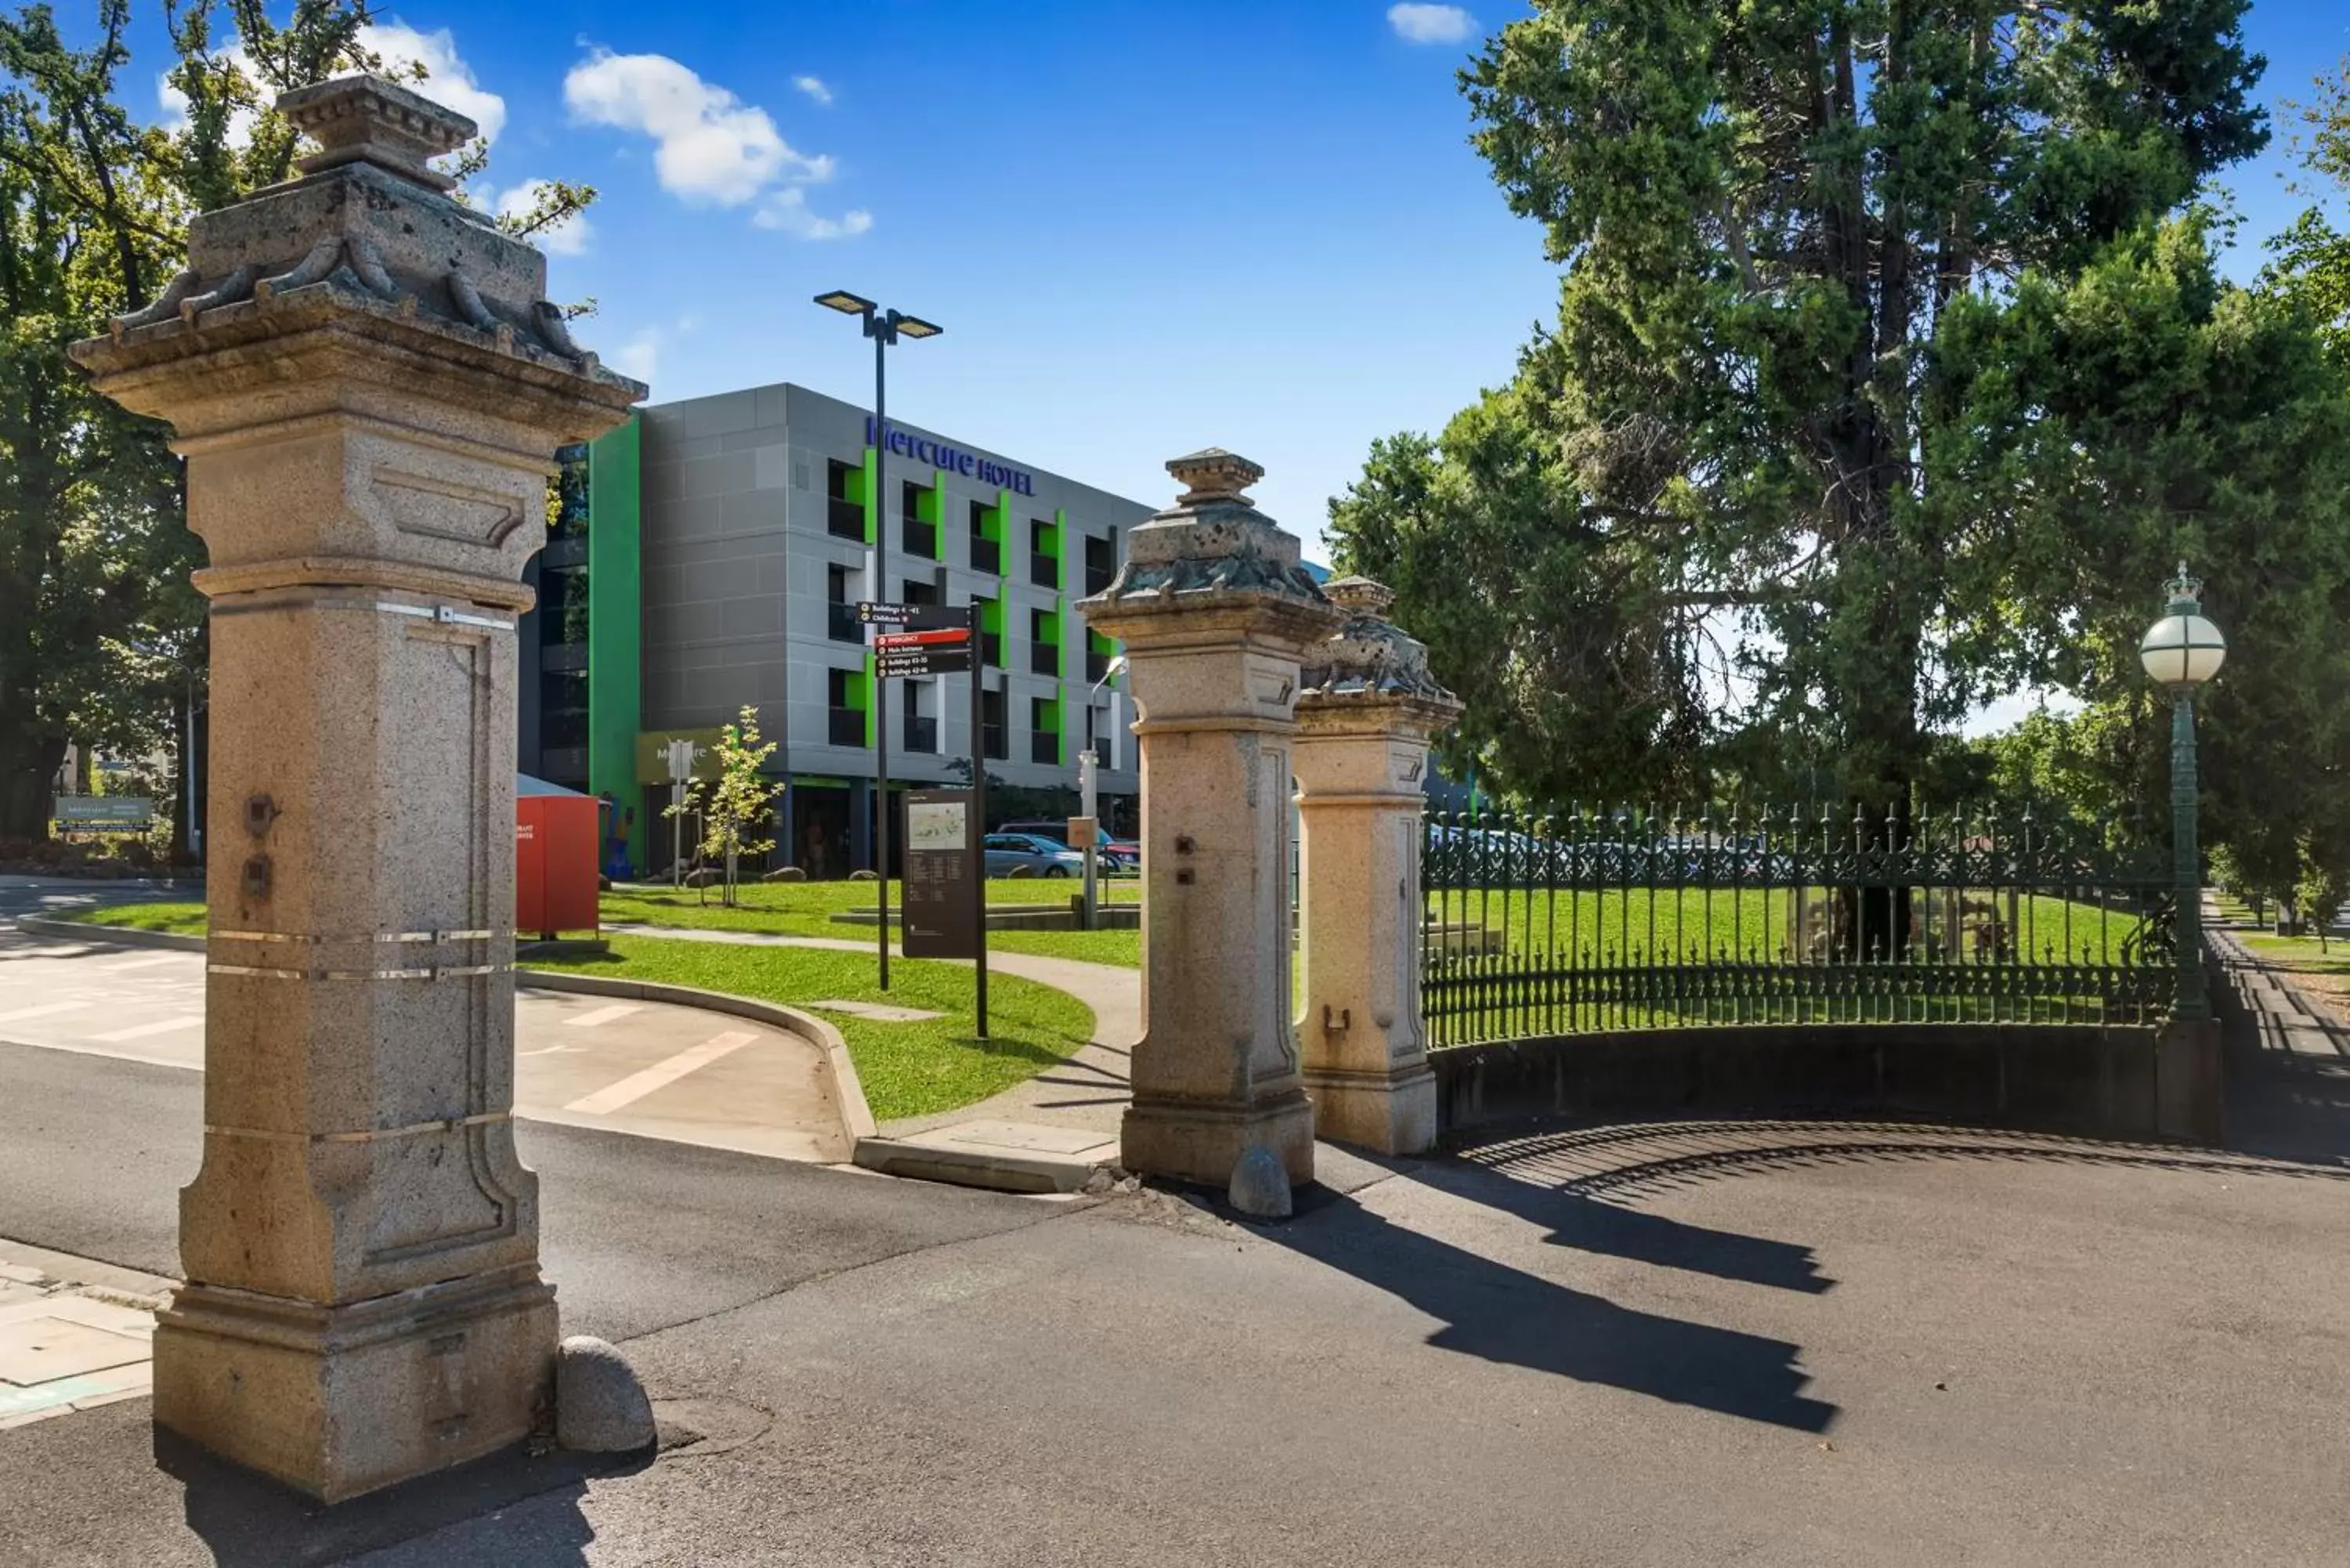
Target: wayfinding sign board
942,898
943,652
914,617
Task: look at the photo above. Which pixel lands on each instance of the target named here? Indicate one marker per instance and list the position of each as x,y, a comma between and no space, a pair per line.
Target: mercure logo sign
954,459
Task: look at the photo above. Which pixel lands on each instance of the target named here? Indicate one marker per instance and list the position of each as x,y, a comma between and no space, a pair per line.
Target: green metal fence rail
1578,921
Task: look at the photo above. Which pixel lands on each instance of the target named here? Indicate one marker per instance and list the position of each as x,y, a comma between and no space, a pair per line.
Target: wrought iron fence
1580,921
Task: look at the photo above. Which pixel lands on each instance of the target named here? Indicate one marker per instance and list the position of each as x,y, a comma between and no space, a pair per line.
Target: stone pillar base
1186,1141
1390,1113
2189,1082
338,1401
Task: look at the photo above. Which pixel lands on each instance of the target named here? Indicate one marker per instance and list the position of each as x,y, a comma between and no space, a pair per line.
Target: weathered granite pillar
369,387
1214,611
1365,716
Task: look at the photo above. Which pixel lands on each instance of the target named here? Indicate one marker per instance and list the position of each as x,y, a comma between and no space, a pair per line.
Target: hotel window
986,554
839,609
1044,741
1044,643
1101,563
921,734
1043,565
844,515
994,741
919,537
844,721
991,641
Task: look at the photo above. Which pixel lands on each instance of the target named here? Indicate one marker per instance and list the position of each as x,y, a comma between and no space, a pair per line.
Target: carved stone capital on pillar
369,386
1215,612
1366,714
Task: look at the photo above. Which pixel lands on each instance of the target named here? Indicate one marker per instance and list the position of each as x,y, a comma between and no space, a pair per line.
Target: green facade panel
615,610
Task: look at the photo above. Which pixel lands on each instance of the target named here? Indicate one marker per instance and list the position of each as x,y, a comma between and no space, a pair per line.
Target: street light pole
2185,863
2182,651
885,327
1089,805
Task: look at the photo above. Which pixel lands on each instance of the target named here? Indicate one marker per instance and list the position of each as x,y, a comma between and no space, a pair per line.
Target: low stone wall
2132,1083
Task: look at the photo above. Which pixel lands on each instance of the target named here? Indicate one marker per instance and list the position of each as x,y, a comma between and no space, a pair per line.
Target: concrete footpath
1051,1133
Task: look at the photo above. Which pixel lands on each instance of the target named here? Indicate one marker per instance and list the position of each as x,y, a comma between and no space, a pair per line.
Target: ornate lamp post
2183,650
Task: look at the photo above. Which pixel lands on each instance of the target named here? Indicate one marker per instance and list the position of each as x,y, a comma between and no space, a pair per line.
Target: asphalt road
1769,1344
639,1233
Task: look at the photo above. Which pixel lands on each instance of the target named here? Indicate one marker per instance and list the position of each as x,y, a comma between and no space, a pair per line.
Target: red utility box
556,834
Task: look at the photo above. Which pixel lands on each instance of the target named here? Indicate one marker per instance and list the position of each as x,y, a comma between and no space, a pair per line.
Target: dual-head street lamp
2182,651
885,327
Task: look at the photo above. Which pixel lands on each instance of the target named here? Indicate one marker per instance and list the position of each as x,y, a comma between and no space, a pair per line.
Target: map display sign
941,897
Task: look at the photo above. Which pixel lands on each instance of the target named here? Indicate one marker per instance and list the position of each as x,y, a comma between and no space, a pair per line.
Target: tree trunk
28,771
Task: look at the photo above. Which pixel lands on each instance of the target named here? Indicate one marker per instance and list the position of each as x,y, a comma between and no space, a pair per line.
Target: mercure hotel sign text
954,459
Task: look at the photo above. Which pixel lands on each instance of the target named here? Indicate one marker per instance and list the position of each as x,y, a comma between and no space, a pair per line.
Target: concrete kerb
856,1115
113,936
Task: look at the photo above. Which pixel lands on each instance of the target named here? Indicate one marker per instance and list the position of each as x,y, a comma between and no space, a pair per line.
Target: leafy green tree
2323,885
737,803
101,638
2310,260
1766,215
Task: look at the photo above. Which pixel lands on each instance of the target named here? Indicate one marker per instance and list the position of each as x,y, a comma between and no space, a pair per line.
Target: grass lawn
805,909
907,1069
188,919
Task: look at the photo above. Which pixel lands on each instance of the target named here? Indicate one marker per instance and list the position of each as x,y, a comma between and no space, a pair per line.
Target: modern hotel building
709,554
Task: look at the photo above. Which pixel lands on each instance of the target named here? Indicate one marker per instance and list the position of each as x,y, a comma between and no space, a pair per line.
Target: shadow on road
1588,1225
251,1521
1499,1314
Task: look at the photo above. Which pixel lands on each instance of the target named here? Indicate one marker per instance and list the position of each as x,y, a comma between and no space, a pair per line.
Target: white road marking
149,962
636,1085
550,1050
141,1031
45,1010
603,1016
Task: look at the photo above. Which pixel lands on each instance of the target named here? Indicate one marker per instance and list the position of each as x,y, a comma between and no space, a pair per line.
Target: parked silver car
1027,855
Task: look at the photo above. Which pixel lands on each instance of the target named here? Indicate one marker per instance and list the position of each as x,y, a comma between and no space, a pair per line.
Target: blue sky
1146,227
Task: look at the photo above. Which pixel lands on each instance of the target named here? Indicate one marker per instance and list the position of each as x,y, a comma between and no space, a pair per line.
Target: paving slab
74,1333
877,1012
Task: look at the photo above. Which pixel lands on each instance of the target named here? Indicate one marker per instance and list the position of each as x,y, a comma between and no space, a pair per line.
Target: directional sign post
936,639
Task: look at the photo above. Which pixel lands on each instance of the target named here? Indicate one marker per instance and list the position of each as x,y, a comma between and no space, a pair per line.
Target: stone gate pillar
1215,612
1364,721
369,387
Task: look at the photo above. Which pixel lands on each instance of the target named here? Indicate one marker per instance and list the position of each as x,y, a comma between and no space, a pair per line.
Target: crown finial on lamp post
2183,650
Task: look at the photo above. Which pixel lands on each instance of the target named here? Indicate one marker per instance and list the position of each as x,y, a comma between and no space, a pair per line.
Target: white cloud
448,80
568,238
788,212
814,86
711,145
639,356
1420,24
